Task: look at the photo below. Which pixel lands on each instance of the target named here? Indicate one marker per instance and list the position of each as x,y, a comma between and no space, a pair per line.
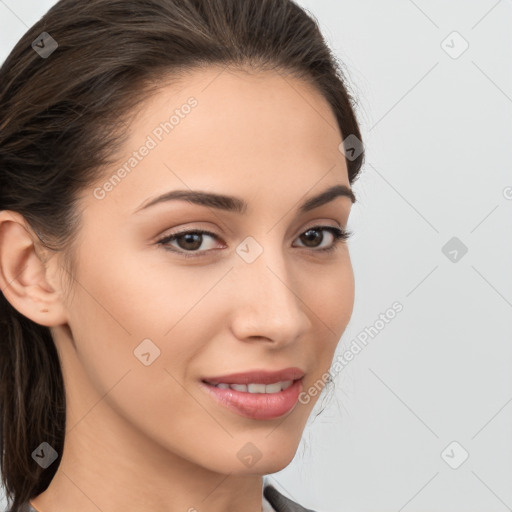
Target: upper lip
257,377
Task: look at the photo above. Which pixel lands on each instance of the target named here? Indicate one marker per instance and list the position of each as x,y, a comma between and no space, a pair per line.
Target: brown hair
61,118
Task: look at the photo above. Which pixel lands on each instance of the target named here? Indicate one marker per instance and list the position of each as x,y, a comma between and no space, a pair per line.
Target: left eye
190,241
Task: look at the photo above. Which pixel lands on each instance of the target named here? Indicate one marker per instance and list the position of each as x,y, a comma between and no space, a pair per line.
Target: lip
257,377
257,406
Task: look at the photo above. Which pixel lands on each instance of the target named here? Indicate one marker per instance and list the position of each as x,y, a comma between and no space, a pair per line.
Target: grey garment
26,507
279,502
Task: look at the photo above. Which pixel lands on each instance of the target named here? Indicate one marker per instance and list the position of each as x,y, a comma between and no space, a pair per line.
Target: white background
438,133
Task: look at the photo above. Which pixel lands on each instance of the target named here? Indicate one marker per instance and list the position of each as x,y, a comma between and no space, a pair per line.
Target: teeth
271,388
238,387
258,388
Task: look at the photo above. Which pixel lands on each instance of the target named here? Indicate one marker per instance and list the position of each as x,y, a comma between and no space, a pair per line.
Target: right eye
189,242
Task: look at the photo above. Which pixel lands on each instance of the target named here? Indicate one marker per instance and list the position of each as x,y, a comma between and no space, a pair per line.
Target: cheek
330,296
119,307
330,299
343,296
120,302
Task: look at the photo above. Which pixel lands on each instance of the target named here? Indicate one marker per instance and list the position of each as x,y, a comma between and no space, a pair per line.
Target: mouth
259,394
255,387
257,377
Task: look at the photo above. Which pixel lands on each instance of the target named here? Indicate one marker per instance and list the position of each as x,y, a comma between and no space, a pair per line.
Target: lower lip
258,406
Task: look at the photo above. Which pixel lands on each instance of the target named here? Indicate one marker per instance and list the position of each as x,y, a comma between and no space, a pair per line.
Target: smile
256,401
255,388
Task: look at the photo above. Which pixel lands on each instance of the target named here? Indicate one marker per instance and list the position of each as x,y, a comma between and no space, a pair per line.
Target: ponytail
32,404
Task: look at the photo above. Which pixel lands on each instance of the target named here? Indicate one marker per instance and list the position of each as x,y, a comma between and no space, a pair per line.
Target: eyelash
339,235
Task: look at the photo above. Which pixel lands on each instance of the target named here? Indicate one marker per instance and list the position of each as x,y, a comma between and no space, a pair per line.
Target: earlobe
23,274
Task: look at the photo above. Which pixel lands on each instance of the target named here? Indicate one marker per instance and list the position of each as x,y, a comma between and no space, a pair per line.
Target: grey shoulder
280,502
25,507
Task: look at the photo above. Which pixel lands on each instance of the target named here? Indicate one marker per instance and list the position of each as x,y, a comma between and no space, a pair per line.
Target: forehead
242,108
219,129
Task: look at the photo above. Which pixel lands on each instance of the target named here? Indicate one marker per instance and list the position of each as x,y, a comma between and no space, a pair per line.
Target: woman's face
149,324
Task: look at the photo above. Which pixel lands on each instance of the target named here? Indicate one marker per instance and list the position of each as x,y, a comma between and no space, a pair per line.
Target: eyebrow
237,205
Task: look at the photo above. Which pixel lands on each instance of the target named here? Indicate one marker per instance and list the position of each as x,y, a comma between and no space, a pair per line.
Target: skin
147,437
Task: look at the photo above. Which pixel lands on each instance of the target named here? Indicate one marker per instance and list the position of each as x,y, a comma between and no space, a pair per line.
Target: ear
25,279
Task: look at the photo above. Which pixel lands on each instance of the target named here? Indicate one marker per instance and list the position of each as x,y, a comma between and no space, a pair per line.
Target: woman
175,185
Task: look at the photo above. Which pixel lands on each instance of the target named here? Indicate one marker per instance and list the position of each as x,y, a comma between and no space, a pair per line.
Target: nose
267,303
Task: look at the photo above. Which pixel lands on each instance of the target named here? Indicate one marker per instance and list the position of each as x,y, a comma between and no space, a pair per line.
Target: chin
271,457
273,466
